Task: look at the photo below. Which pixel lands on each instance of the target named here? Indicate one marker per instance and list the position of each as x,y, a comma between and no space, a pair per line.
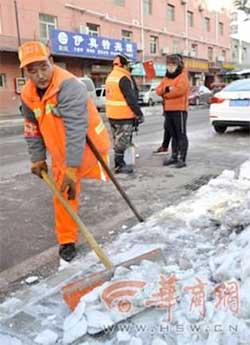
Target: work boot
161,150
124,169
67,251
170,161
180,164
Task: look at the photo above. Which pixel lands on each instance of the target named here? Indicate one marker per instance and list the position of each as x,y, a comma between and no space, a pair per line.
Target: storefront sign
75,44
196,65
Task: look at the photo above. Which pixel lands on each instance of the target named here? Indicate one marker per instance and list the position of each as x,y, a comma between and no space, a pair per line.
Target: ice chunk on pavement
98,319
8,340
77,330
47,337
123,336
31,280
158,341
74,317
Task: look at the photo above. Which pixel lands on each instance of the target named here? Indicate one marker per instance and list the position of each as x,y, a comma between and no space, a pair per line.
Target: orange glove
37,167
69,183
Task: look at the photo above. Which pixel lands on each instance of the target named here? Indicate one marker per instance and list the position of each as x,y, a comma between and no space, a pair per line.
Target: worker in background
58,114
122,109
174,88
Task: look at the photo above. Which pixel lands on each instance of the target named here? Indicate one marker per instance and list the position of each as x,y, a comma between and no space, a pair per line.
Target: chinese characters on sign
74,44
118,295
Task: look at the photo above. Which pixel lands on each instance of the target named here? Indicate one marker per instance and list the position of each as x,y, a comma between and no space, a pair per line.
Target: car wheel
220,129
150,102
197,101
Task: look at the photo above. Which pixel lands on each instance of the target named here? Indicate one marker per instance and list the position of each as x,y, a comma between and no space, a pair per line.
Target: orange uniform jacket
116,105
59,121
177,98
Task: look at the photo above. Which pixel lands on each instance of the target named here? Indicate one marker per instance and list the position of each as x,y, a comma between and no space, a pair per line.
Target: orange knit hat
31,52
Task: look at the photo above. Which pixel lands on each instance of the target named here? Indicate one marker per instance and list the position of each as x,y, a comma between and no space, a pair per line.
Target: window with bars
210,54
47,22
92,29
2,80
147,7
207,24
190,19
153,44
171,12
127,35
221,28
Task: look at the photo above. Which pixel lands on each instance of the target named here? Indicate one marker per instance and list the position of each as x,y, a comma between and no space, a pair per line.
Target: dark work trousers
166,134
177,126
122,132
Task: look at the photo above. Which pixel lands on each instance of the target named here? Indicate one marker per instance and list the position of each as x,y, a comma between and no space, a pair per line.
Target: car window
98,92
145,87
104,93
238,85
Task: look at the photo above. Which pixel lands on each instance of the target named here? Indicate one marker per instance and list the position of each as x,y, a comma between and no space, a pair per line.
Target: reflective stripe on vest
99,128
37,112
49,107
116,103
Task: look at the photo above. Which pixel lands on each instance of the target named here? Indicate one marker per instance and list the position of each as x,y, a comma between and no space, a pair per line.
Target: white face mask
171,68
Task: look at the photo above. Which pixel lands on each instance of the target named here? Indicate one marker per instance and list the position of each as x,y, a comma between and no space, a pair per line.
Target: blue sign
74,44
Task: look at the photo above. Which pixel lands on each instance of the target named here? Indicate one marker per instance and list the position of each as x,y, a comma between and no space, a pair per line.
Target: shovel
74,291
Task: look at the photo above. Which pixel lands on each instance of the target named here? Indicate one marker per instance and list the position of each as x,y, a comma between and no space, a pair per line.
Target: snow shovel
74,291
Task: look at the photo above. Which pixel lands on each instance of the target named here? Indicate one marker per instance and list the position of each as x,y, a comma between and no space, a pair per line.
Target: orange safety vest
116,105
52,127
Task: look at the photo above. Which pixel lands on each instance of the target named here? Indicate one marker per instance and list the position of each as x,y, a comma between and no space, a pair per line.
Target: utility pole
18,30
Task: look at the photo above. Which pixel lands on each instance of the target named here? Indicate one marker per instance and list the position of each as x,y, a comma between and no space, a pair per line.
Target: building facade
149,29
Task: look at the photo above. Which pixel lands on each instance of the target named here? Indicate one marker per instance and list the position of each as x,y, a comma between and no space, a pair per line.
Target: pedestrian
174,88
122,110
58,114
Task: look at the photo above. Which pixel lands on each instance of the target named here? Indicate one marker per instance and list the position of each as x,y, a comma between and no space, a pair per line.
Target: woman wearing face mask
174,88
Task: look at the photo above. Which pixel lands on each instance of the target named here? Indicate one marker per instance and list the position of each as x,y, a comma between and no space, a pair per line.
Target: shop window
153,44
47,22
92,29
207,24
119,2
221,28
127,35
2,80
190,19
170,12
147,7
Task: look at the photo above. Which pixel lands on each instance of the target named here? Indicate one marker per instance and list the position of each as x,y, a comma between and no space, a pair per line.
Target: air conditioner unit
220,58
164,51
139,47
165,30
185,52
135,22
192,54
84,29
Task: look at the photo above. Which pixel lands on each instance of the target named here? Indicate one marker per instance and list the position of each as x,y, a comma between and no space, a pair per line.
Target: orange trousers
65,228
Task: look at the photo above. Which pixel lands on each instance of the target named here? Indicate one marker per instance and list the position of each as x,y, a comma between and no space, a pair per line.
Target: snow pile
205,241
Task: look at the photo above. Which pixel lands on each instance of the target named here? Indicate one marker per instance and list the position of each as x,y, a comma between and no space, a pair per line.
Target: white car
100,98
148,95
90,86
231,106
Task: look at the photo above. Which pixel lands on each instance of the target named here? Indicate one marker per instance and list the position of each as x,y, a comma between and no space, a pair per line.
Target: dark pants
176,122
166,135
